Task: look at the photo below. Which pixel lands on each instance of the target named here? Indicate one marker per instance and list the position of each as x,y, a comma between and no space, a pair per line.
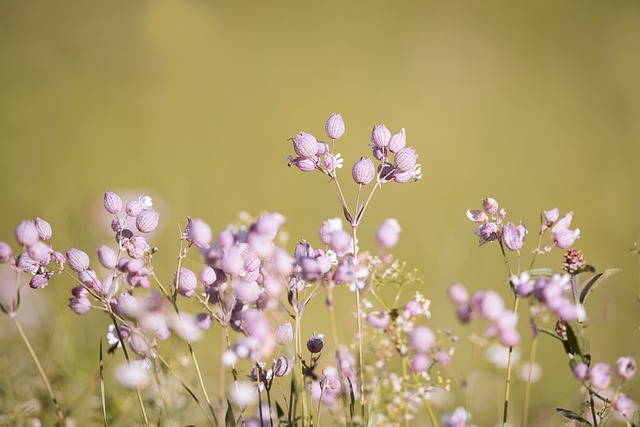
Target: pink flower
388,233
198,232
26,233
626,367
112,202
600,375
422,339
363,171
44,229
334,126
397,141
186,282
512,236
380,136
305,145
78,260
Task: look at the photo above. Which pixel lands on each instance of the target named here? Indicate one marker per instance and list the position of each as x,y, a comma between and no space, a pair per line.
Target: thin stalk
404,390
593,409
47,384
508,379
527,390
359,323
303,394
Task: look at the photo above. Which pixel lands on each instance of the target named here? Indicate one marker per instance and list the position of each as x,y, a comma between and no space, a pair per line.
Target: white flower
339,160
146,201
132,375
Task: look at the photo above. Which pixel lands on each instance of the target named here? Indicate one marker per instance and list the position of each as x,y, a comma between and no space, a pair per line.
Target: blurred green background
192,103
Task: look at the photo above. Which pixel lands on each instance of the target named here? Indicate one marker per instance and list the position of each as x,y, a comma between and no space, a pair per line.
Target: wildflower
137,246
198,232
476,215
328,228
134,208
490,205
79,305
126,305
78,260
626,367
246,292
282,366
186,327
334,126
405,159
315,343
422,339
204,321
498,356
208,276
112,202
623,404
363,171
388,233
305,145
147,221
600,375
397,141
26,233
522,285
581,371
43,228
379,320
132,375
492,305
107,257
284,333
186,282
380,136
573,261
40,252
487,232
420,362
458,418
551,216
5,252
513,237
305,164
39,281
563,237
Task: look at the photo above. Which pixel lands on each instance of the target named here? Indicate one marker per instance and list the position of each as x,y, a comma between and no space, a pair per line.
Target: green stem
508,379
359,323
527,390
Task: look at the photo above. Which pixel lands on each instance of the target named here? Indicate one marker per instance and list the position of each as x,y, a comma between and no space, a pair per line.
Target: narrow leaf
572,416
635,421
102,394
352,403
229,418
595,281
4,306
543,272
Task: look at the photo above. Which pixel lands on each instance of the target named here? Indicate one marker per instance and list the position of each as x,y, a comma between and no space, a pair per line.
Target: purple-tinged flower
89,278
623,404
551,216
268,225
232,261
380,136
226,239
626,367
564,239
305,164
581,370
284,333
246,292
204,321
422,339
420,362
341,243
512,236
522,285
39,281
477,216
79,304
334,126
139,346
492,306
282,366
315,343
126,305
40,252
379,320
58,258
26,264
186,282
329,227
442,357
490,205
78,260
563,223
198,232
388,233
404,176
509,337
5,252
363,171
600,375
412,309
112,202
405,159
208,276
43,228
305,145
137,246
147,221
459,418
134,208
458,294
487,232
344,271
26,233
397,141
107,257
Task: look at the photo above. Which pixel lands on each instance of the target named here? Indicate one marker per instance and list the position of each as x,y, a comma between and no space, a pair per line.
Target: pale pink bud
422,339
380,136
139,346
147,221
623,404
490,205
512,236
90,279
305,145
246,292
305,164
40,252
43,228
5,252
334,126
420,362
26,233
208,276
509,337
187,282
564,239
363,171
137,246
341,242
406,159
107,257
492,305
328,228
79,305
397,141
78,260
232,261
388,233
379,320
478,216
600,375
126,305
199,233
204,321
580,371
112,202
323,148
134,208
39,281
458,294
626,367
284,333
551,216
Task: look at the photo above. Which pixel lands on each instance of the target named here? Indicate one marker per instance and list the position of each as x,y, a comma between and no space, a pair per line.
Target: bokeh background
193,102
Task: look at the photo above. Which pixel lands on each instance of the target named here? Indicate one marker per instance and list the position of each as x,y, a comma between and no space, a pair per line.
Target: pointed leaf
635,421
4,306
229,418
597,280
352,403
577,341
572,416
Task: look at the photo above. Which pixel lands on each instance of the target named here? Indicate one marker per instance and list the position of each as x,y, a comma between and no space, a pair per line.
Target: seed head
112,202
78,260
573,261
315,343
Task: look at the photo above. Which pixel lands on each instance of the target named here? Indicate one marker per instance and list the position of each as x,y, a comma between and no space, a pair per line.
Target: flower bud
282,366
187,282
134,208
90,279
334,126
139,346
379,320
107,257
580,371
26,233
246,292
79,305
315,343
39,281
397,141
5,252
406,159
420,362
147,221
422,339
388,233
458,294
490,205
380,136
43,228
626,367
551,216
305,164
284,333
204,321
40,252
623,404
600,375
305,145
126,305
78,260
199,233
363,171
208,276
112,202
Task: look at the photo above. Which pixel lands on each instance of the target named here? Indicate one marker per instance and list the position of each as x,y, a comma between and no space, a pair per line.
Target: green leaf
577,341
229,418
352,403
572,416
595,281
282,416
4,307
635,421
543,272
